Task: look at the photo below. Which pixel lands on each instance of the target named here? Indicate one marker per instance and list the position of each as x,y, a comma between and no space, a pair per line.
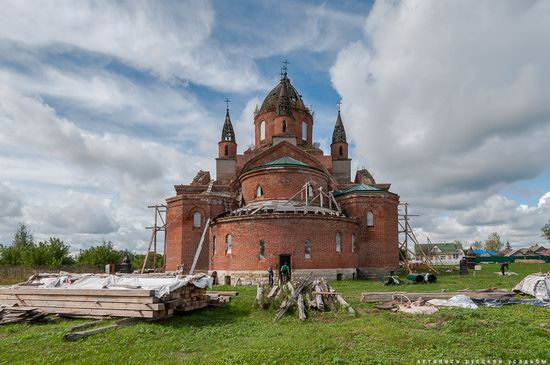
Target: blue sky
108,107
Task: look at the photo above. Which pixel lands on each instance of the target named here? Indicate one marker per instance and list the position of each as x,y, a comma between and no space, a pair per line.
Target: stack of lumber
220,298
304,296
15,314
140,303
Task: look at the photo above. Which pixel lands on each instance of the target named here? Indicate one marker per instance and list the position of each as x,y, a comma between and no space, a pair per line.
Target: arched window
228,241
309,190
341,150
197,219
284,126
353,243
304,130
370,219
307,249
262,249
226,150
338,242
213,245
259,191
262,130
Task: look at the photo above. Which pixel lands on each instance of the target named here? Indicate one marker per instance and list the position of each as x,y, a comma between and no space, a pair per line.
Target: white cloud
450,111
170,39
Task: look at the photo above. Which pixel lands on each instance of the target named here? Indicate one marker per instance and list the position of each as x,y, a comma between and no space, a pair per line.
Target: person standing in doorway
285,271
270,275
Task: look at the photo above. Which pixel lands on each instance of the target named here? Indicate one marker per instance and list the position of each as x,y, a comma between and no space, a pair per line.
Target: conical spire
228,134
283,106
339,134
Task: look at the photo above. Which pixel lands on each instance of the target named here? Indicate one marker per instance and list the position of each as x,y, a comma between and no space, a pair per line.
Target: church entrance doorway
284,259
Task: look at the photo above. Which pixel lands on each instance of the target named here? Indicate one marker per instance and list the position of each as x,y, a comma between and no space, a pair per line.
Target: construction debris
303,296
386,296
459,301
73,336
537,285
110,296
16,314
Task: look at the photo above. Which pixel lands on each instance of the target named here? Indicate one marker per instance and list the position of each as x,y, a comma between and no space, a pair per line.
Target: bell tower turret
341,164
227,151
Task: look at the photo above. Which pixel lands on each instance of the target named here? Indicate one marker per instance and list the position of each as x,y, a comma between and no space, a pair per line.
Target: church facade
283,201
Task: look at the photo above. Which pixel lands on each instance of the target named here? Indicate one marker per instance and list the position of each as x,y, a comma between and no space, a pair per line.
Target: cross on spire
227,101
339,104
285,66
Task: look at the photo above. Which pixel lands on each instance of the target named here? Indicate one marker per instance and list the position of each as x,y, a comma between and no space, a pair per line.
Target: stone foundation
255,277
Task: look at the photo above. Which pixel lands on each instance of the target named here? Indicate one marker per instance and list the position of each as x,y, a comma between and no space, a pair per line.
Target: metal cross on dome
339,104
227,101
285,64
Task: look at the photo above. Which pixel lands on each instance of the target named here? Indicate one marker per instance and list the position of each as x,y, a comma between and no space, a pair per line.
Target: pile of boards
99,295
141,303
14,315
220,298
304,295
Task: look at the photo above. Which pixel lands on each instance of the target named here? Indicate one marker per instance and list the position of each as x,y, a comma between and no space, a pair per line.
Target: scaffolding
159,226
406,231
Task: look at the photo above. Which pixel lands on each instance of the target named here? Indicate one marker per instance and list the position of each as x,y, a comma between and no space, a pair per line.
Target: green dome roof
284,161
361,188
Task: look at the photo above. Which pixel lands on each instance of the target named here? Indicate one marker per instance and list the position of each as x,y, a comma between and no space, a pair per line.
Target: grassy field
241,334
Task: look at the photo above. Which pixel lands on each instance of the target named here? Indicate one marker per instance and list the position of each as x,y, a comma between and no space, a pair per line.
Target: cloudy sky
105,105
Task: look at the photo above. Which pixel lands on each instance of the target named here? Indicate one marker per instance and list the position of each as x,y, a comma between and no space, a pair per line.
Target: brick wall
283,234
280,183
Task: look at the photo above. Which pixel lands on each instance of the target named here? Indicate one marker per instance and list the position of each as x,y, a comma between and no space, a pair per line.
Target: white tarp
537,285
460,301
160,284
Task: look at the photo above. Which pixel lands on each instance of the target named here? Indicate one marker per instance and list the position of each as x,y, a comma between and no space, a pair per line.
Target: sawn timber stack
139,303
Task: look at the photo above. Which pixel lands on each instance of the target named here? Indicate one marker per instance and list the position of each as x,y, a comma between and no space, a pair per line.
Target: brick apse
283,201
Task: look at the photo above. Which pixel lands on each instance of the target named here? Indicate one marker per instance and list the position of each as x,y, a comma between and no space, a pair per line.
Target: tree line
54,253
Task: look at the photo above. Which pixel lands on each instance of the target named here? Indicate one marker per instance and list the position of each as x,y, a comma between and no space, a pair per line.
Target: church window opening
352,243
304,130
310,191
307,249
262,249
213,245
259,191
284,126
228,242
226,150
197,219
338,242
370,219
341,151
262,130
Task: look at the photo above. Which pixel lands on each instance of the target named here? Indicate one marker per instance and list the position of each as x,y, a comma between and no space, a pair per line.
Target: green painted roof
361,188
285,161
444,247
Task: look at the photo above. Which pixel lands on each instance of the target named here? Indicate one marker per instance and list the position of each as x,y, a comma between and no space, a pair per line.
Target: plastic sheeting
162,285
460,301
537,285
489,302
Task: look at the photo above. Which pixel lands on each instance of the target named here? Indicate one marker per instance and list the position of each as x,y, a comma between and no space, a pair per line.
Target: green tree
476,245
493,242
100,255
22,241
23,237
546,231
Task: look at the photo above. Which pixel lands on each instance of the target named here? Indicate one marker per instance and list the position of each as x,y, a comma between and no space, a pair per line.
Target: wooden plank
224,293
301,308
66,291
89,305
79,298
101,312
385,296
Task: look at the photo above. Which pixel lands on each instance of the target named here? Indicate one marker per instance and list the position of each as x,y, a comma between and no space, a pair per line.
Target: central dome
272,99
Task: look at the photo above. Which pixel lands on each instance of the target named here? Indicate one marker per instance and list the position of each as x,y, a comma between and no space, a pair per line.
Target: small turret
341,164
227,144
227,151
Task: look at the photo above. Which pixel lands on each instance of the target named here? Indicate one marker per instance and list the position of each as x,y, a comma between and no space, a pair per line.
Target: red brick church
283,201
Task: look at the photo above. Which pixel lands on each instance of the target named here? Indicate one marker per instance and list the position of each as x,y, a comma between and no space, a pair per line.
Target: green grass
241,334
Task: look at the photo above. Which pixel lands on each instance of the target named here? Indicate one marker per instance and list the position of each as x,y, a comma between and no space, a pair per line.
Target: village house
440,253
